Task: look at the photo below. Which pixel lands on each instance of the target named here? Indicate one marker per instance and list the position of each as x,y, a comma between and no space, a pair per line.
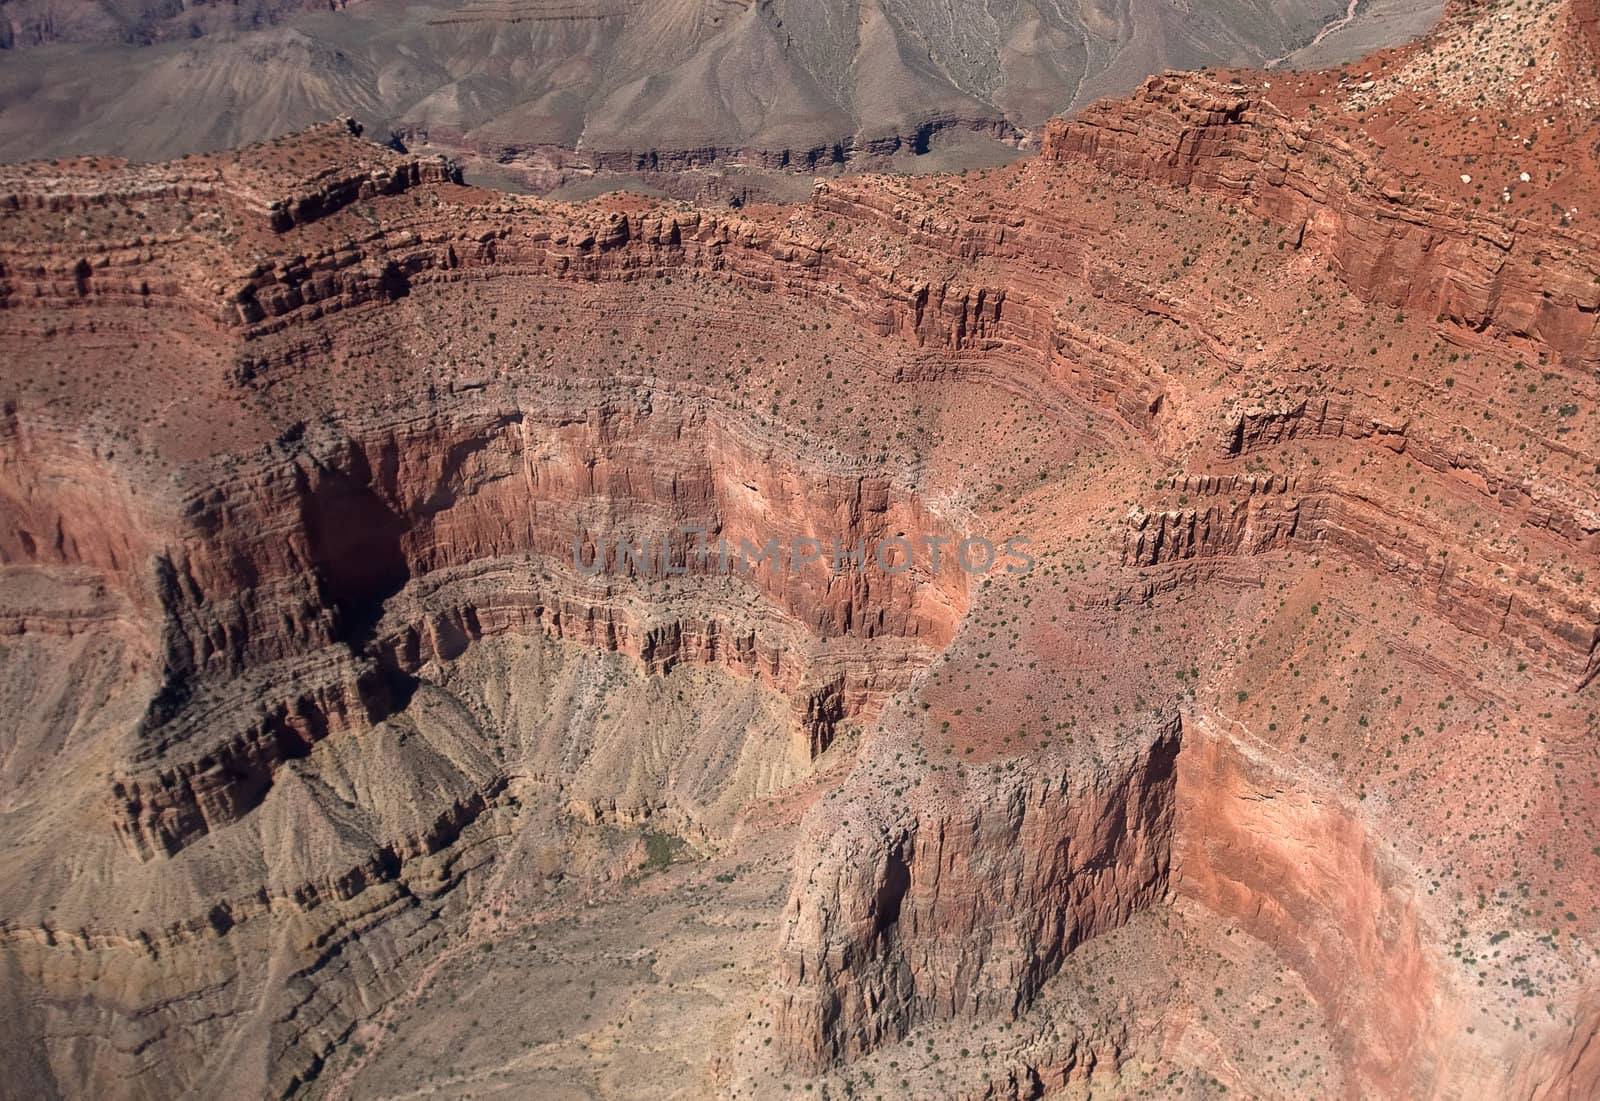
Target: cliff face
309,456
1260,516
960,903
1396,238
1298,870
357,556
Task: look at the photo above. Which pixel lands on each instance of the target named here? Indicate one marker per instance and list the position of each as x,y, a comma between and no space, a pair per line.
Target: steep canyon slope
332,769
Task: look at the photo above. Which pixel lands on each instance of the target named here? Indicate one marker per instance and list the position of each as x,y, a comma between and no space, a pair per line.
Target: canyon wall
1488,595
382,543
1389,237
1298,869
957,903
301,560
958,900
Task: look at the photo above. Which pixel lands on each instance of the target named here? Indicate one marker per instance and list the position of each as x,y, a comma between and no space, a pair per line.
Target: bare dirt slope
555,88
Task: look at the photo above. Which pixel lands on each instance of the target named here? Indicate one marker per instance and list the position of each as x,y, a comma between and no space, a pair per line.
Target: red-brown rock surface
1285,746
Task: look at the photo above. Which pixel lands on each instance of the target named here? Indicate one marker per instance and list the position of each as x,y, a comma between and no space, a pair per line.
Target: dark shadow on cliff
355,542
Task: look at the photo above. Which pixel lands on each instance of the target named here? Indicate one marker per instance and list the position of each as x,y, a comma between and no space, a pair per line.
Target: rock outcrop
1392,238
959,902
